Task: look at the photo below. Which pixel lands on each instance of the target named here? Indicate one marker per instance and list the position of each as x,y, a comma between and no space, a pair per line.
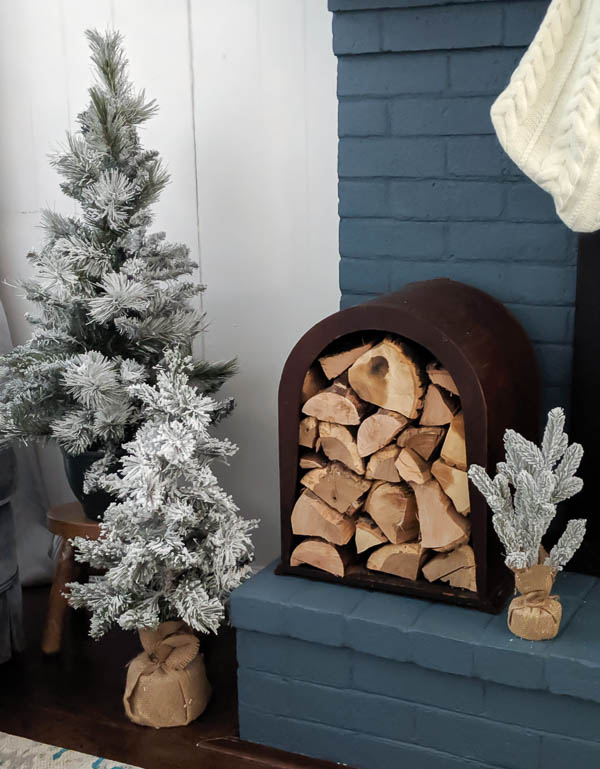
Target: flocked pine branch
526,490
108,292
172,545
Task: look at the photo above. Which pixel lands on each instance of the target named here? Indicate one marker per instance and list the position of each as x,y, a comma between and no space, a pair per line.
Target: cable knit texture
547,117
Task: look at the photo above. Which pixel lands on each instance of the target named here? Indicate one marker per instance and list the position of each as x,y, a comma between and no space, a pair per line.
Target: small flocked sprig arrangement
523,497
172,546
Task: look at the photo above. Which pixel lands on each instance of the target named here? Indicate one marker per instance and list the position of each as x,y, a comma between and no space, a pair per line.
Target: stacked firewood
383,466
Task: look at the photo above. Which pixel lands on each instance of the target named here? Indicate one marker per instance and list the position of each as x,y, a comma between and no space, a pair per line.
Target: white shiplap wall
247,127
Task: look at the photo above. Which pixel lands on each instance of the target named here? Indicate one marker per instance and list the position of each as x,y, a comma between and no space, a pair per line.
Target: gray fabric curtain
11,619
34,543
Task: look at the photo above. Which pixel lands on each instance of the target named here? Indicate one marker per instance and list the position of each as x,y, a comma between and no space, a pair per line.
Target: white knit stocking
548,117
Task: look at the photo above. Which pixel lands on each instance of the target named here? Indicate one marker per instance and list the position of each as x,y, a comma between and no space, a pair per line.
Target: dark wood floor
73,700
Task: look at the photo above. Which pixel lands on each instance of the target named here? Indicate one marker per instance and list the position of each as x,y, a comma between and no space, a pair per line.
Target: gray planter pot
11,618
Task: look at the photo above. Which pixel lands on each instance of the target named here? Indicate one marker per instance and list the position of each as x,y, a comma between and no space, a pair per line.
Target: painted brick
318,612
442,28
366,117
356,5
391,157
264,690
521,21
381,621
480,72
363,198
351,300
383,75
438,199
297,659
356,275
542,711
444,638
342,745
519,283
555,362
379,237
477,156
507,746
527,202
425,115
356,33
561,752
555,396
546,324
417,684
508,241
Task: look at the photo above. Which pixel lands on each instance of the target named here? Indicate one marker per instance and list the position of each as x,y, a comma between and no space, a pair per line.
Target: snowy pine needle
528,486
172,545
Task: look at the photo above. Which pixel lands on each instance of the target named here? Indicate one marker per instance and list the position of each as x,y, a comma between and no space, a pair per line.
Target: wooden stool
67,521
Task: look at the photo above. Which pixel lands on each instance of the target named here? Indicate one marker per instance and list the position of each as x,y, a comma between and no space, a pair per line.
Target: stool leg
57,604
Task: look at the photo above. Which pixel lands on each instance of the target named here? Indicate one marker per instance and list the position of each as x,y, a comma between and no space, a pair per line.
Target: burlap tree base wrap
167,683
535,614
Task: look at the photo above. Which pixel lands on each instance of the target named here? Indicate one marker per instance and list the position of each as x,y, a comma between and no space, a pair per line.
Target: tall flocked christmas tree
111,296
172,545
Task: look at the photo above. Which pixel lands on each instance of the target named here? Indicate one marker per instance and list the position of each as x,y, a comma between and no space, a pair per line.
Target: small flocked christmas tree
111,296
173,545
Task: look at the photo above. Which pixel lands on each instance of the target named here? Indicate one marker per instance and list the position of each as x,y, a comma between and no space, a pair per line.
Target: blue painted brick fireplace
425,189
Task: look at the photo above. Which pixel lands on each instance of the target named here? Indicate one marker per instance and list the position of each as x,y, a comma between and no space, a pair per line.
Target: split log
368,534
389,376
442,528
393,508
337,486
423,440
439,407
440,376
322,555
314,382
309,429
336,364
382,466
412,467
457,568
378,430
337,403
310,460
403,560
311,517
338,444
455,483
454,450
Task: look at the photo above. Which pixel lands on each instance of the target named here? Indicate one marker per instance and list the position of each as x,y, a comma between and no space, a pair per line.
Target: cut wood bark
309,429
382,466
337,403
457,568
311,517
310,460
442,528
378,430
389,376
403,560
368,534
455,483
338,443
439,407
440,376
412,467
314,382
337,486
393,508
322,555
423,440
336,364
454,450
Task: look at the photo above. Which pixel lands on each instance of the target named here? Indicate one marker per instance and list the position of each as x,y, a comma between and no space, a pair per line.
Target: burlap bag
167,683
535,614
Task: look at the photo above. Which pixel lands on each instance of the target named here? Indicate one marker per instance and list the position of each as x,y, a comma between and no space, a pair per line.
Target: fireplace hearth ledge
372,679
